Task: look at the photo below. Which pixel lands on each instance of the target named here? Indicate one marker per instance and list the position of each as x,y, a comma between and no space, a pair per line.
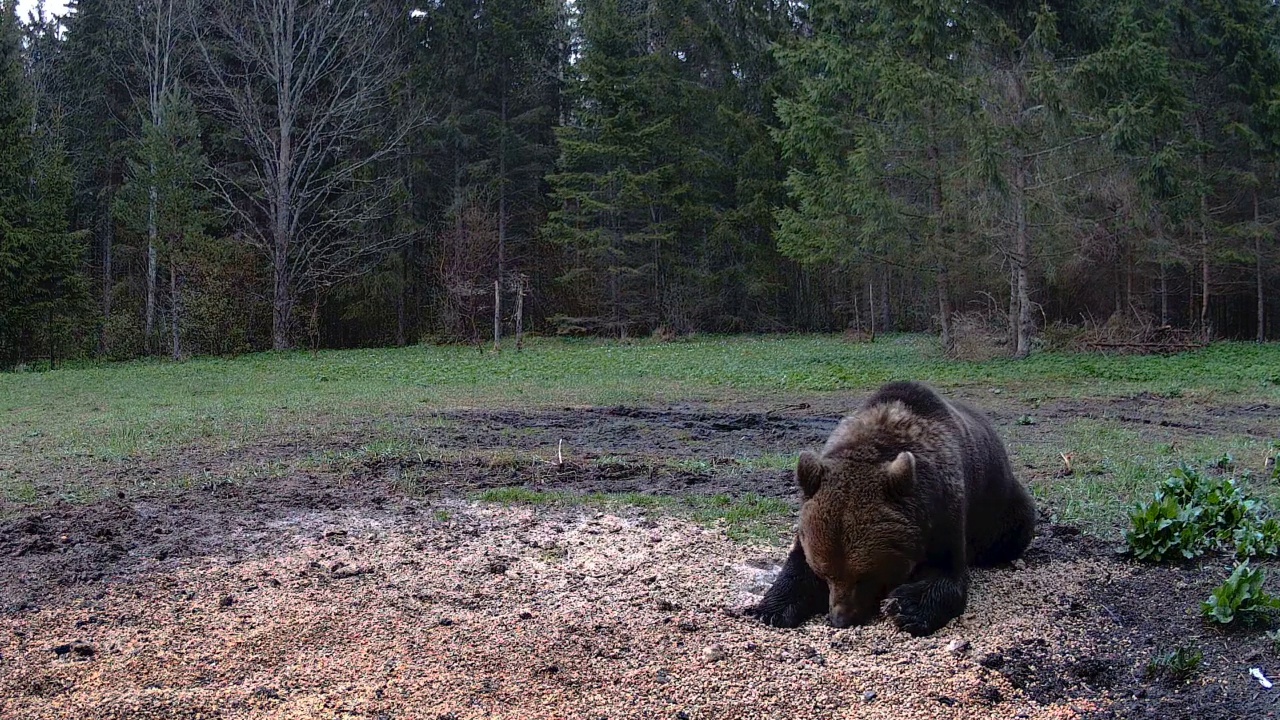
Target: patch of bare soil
340,594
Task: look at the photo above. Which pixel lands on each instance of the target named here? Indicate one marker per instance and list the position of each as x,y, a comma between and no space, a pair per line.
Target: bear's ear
902,471
810,472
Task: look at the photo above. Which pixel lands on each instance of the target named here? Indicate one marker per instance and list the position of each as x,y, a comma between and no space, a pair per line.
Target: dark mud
63,550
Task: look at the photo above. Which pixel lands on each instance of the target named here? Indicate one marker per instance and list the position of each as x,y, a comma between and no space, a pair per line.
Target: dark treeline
189,176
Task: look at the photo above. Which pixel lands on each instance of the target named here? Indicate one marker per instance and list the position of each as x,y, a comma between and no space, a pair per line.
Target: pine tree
162,196
617,185
877,133
99,110
41,289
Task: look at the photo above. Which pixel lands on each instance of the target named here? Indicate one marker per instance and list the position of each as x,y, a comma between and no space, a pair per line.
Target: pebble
1019,564
712,653
868,696
958,646
992,661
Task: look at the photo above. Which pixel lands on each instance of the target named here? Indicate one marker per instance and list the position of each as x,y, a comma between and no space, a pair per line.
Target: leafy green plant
1241,598
1257,539
1177,665
1192,513
1164,529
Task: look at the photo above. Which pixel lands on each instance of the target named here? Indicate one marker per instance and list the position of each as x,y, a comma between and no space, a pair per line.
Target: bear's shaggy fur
908,492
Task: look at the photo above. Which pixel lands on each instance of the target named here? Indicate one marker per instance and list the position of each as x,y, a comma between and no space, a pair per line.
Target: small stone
445,622
1019,564
868,696
526,615
682,715
226,601
79,649
712,653
751,647
992,661
958,646
664,605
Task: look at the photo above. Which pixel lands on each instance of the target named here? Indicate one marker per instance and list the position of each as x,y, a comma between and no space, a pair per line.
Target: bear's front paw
779,615
906,607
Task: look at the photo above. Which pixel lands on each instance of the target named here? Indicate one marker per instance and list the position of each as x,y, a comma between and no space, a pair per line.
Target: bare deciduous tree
156,49
304,87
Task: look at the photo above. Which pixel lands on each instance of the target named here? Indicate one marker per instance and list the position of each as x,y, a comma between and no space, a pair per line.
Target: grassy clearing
744,518
122,410
52,423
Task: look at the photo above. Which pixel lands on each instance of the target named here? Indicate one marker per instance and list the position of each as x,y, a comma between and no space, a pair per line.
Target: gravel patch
502,612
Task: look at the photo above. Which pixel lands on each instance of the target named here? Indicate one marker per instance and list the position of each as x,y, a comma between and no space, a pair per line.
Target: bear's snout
844,615
840,621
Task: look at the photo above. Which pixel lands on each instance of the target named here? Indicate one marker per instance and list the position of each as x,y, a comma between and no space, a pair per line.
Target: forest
187,177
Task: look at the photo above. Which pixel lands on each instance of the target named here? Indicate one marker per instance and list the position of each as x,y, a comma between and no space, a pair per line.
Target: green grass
1114,466
745,517
54,422
120,410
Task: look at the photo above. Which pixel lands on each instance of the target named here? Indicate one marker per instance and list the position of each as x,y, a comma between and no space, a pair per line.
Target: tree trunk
1205,330
400,298
282,238
1022,258
148,332
944,283
886,316
1164,271
313,325
497,316
175,310
871,307
1262,307
944,310
108,283
1013,305
520,313
1257,254
502,182
1164,293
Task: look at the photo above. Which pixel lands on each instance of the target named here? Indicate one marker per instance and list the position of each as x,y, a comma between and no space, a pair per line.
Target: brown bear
908,492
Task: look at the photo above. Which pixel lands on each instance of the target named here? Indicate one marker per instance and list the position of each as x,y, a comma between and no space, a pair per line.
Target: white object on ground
1262,679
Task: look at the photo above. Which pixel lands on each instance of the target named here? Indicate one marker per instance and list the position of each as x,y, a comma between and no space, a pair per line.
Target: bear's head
858,529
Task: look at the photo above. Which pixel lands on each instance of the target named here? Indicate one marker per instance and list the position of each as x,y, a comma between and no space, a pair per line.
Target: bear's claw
906,608
779,616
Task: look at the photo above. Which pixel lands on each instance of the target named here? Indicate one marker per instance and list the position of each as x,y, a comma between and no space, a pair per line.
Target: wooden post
497,316
520,313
